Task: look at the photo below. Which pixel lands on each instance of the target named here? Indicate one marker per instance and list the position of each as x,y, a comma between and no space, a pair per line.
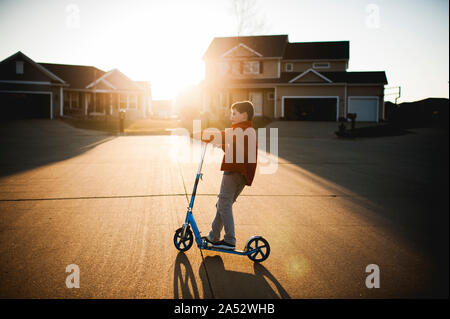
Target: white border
26,82
310,70
237,47
367,97
35,92
311,97
286,69
321,67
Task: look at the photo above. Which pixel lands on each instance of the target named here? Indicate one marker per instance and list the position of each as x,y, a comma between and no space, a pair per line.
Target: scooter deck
231,251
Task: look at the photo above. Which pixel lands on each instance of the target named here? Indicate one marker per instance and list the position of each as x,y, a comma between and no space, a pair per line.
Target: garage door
310,109
365,108
24,105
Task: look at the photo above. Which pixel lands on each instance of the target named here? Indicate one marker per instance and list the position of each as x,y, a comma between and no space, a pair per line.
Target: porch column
51,105
275,98
70,100
61,101
85,103
110,103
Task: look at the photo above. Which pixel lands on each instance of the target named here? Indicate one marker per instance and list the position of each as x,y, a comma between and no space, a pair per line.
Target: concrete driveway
110,205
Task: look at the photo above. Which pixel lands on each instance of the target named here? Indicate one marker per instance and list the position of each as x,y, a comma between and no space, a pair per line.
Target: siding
212,70
305,65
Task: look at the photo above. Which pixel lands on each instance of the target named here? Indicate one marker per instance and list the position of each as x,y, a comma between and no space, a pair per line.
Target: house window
270,96
19,67
289,67
251,67
321,65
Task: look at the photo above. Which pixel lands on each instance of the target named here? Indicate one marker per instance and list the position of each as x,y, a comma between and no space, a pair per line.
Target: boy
236,174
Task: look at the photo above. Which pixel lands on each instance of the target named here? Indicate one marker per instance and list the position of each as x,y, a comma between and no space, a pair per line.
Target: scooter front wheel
183,244
261,246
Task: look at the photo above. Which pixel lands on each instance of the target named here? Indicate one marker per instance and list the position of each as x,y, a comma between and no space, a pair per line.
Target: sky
163,41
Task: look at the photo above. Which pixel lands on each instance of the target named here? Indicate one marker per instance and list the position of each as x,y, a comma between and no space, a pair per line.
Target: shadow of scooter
217,282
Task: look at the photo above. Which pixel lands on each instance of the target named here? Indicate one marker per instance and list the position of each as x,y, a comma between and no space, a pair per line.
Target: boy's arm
212,139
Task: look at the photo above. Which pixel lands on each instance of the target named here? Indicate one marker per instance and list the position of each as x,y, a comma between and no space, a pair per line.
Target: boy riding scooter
236,174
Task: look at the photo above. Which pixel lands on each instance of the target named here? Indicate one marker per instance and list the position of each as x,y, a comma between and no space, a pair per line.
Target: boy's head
241,111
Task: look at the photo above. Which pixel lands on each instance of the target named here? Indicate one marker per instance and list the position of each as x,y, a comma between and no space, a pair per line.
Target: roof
357,77
19,55
266,45
78,76
317,50
335,77
83,77
279,46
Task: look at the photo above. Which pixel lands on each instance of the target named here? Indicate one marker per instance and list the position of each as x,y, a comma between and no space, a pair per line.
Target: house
291,81
46,90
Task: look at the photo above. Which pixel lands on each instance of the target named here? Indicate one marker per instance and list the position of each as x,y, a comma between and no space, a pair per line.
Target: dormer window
321,65
19,67
289,67
251,67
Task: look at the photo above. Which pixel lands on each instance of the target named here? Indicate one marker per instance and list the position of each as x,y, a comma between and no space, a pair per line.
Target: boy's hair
244,106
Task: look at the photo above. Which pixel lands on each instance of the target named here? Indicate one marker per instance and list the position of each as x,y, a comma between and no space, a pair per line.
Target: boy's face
237,117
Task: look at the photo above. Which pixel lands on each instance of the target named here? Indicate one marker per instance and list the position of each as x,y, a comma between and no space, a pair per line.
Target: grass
108,125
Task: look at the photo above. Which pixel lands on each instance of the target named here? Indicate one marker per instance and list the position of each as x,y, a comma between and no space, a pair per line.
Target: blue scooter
257,248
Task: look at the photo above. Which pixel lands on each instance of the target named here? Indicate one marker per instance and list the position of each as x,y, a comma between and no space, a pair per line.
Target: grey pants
232,185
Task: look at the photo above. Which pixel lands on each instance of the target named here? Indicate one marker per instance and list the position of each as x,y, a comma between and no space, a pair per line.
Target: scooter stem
194,191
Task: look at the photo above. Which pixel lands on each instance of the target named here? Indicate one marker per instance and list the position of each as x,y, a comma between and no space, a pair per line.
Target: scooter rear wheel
262,249
183,244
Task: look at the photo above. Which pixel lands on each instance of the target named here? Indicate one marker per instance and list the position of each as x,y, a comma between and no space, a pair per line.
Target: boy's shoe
224,245
208,240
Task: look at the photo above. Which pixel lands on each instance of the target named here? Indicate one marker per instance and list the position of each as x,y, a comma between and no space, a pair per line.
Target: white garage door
366,108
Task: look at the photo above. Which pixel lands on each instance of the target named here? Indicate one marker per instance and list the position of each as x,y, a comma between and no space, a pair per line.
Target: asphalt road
111,204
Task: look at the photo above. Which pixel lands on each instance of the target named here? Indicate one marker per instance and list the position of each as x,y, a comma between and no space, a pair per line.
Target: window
19,67
123,101
133,101
251,67
289,67
321,65
74,99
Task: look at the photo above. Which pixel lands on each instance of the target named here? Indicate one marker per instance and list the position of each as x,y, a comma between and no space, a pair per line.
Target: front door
257,99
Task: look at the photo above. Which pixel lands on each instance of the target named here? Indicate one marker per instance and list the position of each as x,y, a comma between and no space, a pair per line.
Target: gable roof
266,45
48,73
317,50
78,76
279,46
86,77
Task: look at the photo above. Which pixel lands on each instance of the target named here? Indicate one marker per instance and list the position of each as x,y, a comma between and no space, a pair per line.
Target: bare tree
249,20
